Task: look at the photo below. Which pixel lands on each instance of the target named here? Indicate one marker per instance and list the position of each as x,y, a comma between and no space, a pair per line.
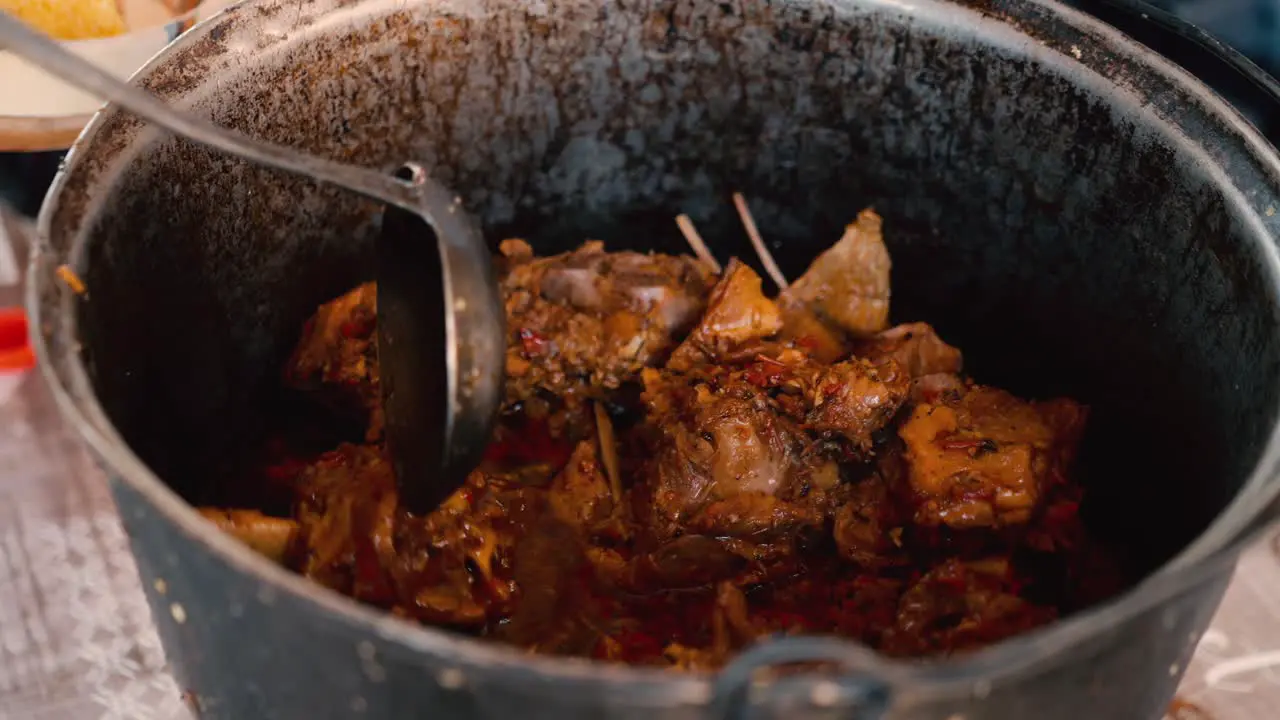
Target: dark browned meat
587,321
986,458
802,327
723,460
336,359
737,314
270,536
848,285
346,514
868,526
451,567
855,399
549,616
960,606
915,347
579,495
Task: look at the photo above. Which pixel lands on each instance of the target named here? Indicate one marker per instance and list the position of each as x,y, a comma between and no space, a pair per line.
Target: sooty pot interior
1054,233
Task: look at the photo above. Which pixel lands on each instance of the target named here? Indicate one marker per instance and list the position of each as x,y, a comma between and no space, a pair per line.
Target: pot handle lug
750,687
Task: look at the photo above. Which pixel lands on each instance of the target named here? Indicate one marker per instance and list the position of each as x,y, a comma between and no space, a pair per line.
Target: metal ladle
441,328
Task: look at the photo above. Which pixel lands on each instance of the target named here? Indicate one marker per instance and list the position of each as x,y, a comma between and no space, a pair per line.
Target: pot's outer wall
244,650
1058,229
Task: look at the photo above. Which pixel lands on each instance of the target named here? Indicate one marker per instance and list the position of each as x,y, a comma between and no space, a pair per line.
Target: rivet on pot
369,664
451,679
1173,670
825,693
700,695
981,689
161,586
359,705
178,612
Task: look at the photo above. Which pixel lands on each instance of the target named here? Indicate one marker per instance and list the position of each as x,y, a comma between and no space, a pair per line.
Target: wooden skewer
692,237
757,242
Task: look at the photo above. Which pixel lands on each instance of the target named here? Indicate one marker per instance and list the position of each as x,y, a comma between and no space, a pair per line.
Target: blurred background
41,116
1249,26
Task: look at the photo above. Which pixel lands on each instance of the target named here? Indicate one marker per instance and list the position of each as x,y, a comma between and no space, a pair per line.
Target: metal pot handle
747,689
1243,83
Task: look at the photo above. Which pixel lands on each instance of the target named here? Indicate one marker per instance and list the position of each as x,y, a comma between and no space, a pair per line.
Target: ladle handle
37,48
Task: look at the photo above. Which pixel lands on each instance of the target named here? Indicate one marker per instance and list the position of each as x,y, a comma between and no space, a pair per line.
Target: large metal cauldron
1075,212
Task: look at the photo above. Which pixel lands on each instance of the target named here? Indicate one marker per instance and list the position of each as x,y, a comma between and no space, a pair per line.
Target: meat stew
685,466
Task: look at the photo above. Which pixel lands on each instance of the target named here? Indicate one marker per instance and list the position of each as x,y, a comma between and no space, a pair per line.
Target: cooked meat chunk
986,459
579,495
752,516
868,526
802,327
683,562
456,565
959,606
851,400
848,285
855,399
937,388
346,515
451,567
731,623
915,347
691,659
588,320
549,616
731,630
737,314
722,439
270,536
336,358
724,460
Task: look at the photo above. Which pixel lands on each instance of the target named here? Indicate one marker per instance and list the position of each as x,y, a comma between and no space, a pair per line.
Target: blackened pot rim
1067,47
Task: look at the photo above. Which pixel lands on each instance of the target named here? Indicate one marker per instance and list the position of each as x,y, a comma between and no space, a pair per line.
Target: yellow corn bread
69,19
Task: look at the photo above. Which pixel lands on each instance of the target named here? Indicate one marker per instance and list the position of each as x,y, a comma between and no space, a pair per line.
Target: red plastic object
16,354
